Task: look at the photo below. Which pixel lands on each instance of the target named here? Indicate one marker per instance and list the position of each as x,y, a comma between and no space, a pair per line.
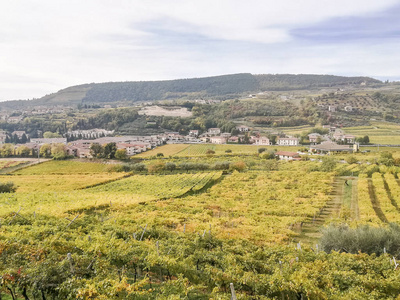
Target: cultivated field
79,230
378,132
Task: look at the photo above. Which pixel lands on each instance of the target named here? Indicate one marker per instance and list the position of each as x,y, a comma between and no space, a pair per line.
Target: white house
313,137
194,133
289,141
264,141
214,131
218,140
243,128
286,155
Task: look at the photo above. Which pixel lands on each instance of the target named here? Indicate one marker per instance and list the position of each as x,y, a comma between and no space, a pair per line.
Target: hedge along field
64,167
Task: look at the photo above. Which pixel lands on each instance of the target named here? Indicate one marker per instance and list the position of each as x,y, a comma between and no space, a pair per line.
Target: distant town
79,143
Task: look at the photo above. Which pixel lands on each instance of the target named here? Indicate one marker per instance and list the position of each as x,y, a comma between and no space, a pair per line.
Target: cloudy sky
47,45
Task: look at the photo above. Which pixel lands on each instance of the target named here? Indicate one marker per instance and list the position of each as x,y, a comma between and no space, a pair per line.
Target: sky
48,45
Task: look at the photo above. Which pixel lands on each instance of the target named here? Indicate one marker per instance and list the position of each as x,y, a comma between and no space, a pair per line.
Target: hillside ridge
218,87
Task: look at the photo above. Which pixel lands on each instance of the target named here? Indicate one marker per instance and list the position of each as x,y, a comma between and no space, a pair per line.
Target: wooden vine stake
233,294
144,230
71,262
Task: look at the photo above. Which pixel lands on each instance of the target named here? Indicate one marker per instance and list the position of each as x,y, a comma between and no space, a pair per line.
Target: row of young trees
107,151
55,151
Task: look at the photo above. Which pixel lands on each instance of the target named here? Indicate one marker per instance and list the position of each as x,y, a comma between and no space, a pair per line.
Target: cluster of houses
335,134
89,134
81,148
215,136
335,141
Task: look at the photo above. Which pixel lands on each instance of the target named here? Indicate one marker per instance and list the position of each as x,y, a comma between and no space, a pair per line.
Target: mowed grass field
379,132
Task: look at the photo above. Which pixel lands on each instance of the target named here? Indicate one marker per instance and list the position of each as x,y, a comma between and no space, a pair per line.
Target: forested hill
218,87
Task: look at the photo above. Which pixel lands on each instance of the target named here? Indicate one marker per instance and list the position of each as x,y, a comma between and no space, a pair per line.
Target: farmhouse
286,155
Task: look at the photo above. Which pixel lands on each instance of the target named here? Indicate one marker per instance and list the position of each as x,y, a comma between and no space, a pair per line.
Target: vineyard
166,150
78,230
378,132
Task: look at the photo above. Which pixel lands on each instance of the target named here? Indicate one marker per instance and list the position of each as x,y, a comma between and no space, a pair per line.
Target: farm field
173,234
194,150
167,150
378,132
64,167
33,183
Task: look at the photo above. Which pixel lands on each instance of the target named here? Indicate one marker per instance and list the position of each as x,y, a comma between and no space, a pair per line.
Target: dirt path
355,212
29,162
311,229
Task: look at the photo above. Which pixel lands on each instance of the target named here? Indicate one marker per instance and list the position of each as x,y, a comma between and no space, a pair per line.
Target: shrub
261,150
210,152
351,160
139,167
7,187
222,165
371,240
328,164
160,154
238,166
156,167
228,151
170,166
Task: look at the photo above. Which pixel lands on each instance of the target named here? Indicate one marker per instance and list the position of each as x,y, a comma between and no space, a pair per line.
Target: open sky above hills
49,45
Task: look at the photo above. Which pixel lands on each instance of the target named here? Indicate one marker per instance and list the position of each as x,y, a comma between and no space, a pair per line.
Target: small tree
328,164
210,152
96,150
7,187
109,150
59,151
351,160
7,150
49,135
45,150
23,151
170,166
238,166
160,154
261,150
121,154
139,167
386,159
156,167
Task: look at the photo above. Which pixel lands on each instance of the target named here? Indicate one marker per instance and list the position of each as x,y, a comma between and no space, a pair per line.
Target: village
78,143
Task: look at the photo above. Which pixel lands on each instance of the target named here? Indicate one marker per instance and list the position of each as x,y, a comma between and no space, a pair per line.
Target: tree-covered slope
217,87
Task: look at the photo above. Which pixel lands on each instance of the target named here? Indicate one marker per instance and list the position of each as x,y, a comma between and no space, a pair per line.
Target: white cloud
48,45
